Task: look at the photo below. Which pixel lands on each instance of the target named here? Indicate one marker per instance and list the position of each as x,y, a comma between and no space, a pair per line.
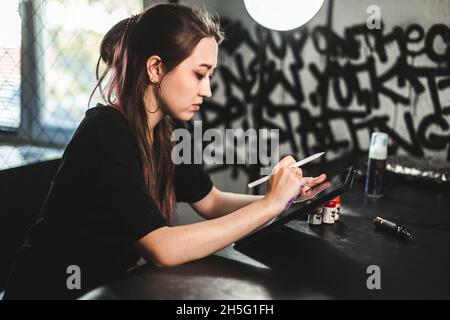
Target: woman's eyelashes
202,76
199,76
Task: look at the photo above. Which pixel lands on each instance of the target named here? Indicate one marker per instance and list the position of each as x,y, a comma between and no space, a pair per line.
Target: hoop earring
151,111
154,82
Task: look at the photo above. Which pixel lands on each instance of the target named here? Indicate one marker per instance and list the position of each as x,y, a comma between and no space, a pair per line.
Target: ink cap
378,146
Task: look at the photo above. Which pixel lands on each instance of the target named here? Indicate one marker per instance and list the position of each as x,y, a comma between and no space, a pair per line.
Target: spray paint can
338,208
376,165
329,212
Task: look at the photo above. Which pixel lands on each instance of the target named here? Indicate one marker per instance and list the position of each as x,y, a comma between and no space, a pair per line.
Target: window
47,63
73,31
10,64
48,54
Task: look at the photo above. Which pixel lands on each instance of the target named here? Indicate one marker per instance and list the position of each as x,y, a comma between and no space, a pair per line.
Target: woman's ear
154,69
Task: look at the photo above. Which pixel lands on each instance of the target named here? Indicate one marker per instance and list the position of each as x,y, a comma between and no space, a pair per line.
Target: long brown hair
170,31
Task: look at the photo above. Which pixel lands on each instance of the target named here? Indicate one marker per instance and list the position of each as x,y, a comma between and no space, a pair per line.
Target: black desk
299,262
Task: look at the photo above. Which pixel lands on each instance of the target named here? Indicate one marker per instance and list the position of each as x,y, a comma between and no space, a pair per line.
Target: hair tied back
131,21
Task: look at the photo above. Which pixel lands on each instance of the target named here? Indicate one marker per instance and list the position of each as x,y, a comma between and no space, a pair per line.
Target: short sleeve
192,183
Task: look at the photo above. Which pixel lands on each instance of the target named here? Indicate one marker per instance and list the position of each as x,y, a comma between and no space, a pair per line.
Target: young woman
113,197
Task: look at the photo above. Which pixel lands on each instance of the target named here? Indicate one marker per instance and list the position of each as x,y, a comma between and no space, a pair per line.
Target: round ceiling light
282,15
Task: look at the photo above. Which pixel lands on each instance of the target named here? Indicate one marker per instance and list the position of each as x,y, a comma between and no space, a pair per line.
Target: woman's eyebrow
207,66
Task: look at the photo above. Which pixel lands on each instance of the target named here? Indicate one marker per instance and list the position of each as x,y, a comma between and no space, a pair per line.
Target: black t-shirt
96,209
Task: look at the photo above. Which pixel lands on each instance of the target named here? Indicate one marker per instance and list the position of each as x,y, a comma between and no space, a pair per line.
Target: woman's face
184,88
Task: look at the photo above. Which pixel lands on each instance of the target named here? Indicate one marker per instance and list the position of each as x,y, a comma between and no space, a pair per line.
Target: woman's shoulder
101,113
105,119
103,125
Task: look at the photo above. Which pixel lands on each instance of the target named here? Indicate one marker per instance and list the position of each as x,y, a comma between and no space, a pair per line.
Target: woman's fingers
318,180
285,162
312,182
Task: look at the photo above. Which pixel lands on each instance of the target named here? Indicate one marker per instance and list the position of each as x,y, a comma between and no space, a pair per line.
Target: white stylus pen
296,165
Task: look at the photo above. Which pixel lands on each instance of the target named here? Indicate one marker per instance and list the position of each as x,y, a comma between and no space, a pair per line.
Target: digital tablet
305,203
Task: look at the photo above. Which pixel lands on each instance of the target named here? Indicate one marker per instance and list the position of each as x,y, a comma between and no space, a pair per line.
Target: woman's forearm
227,202
171,246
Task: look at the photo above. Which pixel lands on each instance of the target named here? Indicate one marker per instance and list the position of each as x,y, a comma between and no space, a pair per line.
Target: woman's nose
205,90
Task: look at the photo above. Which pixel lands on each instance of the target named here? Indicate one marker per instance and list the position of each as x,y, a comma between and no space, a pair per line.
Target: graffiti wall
327,85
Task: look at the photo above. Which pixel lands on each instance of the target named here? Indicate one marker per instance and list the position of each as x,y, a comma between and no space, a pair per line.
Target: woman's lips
196,107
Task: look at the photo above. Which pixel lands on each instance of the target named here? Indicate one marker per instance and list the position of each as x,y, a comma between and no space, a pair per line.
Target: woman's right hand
285,183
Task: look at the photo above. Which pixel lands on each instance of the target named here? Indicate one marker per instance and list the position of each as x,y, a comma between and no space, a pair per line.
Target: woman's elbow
164,260
155,248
